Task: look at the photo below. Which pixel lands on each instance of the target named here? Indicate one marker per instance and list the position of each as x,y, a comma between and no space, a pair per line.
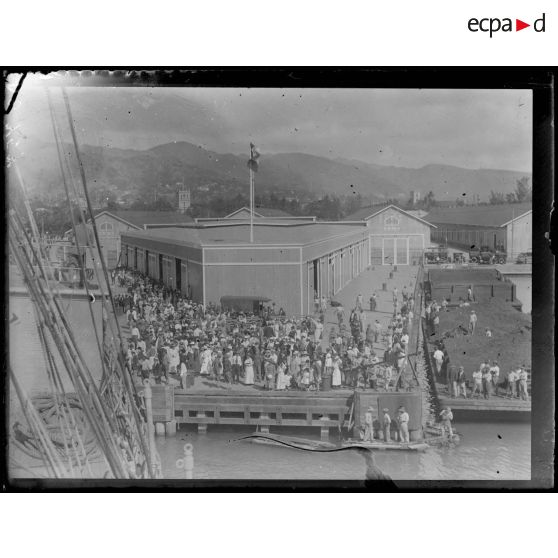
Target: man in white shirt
438,359
135,334
495,371
477,383
403,420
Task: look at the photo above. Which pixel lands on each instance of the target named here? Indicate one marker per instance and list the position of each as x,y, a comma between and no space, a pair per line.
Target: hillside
142,170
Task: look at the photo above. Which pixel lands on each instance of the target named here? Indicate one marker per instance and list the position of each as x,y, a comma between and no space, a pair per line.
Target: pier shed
289,264
396,237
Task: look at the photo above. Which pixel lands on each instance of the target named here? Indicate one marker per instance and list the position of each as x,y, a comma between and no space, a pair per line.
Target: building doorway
388,251
395,251
160,267
402,251
178,268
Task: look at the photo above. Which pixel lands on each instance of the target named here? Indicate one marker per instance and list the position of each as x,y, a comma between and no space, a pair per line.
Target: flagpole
251,200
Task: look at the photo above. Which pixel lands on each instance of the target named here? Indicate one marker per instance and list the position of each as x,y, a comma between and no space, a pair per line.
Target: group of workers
484,381
384,428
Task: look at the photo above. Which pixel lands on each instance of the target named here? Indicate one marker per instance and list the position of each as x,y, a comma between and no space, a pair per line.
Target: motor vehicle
436,255
458,257
525,258
484,255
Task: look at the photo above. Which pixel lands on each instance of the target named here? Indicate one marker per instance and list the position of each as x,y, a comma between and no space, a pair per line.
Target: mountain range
140,171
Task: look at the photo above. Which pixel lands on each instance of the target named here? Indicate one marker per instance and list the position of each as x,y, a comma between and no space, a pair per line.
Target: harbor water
488,451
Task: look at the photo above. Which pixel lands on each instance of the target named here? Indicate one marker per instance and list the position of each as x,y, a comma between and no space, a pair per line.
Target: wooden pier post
324,430
170,428
264,427
187,462
202,427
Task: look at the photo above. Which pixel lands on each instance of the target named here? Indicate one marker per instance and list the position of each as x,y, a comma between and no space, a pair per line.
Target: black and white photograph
225,282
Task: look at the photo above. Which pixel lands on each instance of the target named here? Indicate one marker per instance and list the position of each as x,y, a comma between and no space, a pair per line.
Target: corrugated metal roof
141,218
478,215
366,212
239,234
260,212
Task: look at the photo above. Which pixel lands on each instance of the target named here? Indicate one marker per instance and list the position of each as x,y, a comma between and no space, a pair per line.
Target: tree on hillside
522,190
328,208
352,203
496,198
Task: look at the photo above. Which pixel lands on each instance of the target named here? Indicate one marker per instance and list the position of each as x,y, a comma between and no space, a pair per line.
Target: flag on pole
254,156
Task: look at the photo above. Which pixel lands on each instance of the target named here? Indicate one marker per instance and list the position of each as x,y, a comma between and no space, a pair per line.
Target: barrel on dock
326,383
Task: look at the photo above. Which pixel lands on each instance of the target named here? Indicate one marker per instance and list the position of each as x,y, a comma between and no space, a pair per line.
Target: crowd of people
486,379
173,339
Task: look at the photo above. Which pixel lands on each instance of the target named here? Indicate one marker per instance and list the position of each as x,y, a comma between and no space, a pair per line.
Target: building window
391,223
106,228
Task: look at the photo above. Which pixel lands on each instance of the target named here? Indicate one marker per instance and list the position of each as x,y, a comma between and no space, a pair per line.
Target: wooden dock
494,404
263,409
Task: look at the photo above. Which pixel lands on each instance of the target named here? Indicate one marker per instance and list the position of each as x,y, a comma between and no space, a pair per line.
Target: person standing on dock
386,425
447,416
486,382
477,383
461,382
512,377
436,323
340,315
495,372
236,363
373,302
403,420
369,425
472,322
452,380
336,375
438,360
523,393
359,302
248,371
377,330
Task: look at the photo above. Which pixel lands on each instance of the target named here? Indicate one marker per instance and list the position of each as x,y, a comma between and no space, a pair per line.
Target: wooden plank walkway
493,404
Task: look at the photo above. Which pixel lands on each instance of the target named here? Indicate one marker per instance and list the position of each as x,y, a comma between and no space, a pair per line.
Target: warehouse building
396,237
112,223
288,264
504,227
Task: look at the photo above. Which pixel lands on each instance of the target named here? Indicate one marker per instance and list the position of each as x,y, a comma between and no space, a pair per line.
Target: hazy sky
466,128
